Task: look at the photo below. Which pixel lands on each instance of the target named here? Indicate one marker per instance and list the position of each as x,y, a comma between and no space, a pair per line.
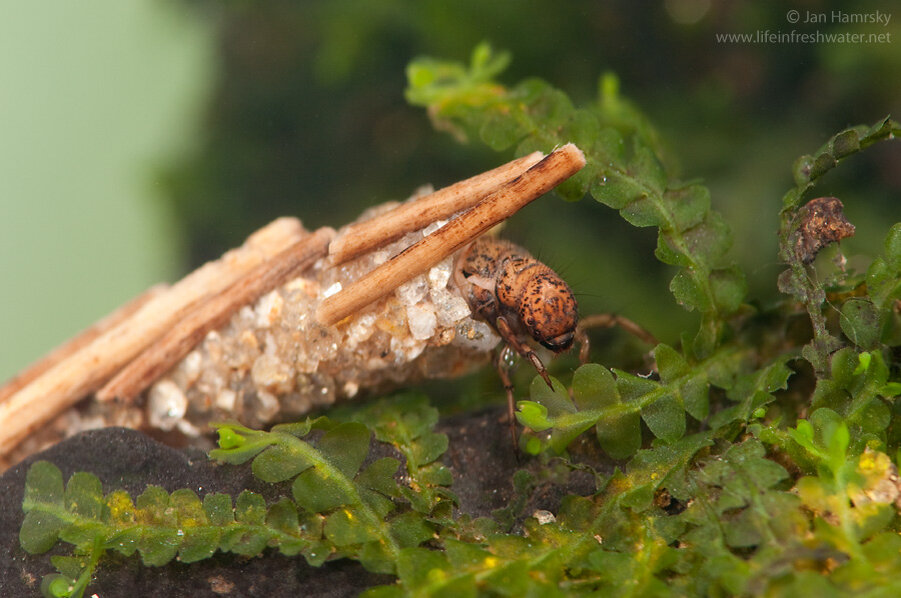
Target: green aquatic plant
757,457
336,508
625,169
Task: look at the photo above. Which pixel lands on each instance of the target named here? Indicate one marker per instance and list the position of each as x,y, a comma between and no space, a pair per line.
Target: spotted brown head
545,306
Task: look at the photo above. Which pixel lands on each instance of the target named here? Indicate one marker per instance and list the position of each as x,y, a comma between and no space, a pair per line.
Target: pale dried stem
88,368
83,338
356,239
166,351
498,206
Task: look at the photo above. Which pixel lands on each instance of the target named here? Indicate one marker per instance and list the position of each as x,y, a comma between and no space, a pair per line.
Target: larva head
548,310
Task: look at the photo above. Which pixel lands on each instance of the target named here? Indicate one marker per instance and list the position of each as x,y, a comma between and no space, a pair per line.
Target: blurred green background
138,139
97,98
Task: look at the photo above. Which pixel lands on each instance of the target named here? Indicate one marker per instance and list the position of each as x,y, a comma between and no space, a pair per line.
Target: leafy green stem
286,455
624,169
797,281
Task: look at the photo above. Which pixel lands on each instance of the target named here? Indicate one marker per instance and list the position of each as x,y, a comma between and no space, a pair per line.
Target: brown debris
822,223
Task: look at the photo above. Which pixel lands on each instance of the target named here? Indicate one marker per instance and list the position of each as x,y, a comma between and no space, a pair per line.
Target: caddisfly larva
275,361
305,320
519,296
522,299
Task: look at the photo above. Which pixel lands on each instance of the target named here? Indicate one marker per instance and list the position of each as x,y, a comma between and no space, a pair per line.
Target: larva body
503,282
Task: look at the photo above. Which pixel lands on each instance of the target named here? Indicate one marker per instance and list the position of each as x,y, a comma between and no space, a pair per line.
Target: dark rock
480,456
130,460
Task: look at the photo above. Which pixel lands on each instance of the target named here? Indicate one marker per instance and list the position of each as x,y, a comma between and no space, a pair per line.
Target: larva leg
503,328
608,321
500,362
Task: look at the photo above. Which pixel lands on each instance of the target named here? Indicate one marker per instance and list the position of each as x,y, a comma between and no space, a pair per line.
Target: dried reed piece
83,338
561,164
88,368
414,215
166,351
